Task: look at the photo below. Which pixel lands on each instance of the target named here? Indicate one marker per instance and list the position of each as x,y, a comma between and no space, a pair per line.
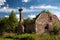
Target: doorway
46,27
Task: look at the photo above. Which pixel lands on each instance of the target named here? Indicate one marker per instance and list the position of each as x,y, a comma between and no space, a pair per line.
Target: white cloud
17,15
7,9
57,14
29,10
2,2
6,16
44,7
31,16
55,10
38,8
25,1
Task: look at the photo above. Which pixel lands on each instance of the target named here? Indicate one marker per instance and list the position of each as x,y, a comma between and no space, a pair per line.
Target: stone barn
44,22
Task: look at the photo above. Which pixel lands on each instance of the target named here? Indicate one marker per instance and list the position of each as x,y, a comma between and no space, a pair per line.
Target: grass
44,36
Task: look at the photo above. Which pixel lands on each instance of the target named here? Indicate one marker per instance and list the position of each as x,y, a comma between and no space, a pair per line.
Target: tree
3,24
28,20
13,22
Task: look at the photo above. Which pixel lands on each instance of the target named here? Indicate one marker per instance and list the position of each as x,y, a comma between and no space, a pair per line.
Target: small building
44,22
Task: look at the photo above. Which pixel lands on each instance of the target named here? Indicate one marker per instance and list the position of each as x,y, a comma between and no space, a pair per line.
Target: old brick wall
55,20
40,22
45,22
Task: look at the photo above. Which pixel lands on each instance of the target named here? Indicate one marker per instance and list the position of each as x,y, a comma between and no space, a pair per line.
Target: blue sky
31,8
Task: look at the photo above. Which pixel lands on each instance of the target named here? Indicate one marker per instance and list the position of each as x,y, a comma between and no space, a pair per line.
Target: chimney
21,15
21,26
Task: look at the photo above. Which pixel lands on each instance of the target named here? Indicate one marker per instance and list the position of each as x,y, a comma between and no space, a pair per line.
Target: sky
31,8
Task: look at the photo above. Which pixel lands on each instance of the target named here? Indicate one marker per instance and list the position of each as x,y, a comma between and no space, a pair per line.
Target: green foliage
28,37
47,36
28,20
33,20
6,39
56,29
44,36
8,35
3,24
13,22
21,36
8,24
13,19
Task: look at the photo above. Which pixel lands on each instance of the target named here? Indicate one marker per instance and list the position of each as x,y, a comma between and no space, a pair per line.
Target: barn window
50,18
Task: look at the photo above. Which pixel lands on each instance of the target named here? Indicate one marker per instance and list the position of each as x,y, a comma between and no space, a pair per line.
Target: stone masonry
44,22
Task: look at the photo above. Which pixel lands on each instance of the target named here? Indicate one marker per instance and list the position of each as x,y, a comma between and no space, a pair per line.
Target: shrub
44,36
8,35
28,37
56,29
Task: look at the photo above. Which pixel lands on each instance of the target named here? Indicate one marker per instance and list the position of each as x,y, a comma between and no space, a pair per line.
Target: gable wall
40,22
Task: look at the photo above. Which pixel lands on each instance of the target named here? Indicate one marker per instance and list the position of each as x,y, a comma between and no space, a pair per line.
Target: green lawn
45,36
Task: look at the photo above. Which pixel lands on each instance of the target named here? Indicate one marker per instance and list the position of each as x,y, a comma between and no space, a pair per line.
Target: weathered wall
30,28
20,28
40,22
55,20
45,22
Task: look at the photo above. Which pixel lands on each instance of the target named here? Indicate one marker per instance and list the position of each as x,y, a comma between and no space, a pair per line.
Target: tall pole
21,15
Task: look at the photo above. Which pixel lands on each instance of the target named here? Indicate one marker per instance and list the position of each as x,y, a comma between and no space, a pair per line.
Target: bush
44,36
21,36
27,37
8,35
56,29
6,39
